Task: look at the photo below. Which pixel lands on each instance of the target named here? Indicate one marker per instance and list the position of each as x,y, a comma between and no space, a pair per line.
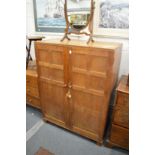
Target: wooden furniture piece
28,48
32,92
86,29
119,132
75,83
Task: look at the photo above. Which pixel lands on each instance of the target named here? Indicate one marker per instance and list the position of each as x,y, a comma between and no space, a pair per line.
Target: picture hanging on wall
111,18
49,15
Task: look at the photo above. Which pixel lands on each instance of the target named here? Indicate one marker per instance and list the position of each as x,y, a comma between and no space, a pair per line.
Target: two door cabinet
75,84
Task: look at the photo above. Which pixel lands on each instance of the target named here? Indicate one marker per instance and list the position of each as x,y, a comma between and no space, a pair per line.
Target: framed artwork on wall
49,15
111,18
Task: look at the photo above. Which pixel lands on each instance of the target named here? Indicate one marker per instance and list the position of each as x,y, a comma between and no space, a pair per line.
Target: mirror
79,18
78,13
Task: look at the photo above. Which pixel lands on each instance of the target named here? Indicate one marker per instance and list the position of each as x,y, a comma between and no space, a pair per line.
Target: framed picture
49,15
111,18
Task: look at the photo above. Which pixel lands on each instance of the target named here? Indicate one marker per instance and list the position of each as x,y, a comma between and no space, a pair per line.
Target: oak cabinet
75,83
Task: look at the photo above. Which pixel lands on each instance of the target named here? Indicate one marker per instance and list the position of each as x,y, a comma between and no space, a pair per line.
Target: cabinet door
50,61
88,72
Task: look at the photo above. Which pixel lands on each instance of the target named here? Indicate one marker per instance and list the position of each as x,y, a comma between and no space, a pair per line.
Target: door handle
69,95
69,90
70,85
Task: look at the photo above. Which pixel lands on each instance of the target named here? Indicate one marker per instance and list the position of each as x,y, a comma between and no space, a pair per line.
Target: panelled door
87,79
51,68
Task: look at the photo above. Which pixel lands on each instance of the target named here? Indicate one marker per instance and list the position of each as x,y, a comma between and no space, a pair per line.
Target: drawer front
32,91
31,81
121,112
33,101
122,100
119,136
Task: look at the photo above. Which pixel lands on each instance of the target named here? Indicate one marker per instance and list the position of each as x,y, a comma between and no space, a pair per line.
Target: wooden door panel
51,63
86,80
57,57
50,60
88,70
50,53
79,60
52,99
98,64
52,74
79,79
87,100
86,119
44,55
97,83
89,66
86,110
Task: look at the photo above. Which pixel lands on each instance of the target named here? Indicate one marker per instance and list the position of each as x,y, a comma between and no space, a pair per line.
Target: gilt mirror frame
87,30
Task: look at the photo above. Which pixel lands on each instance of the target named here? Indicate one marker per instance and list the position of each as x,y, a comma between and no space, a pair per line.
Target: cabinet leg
107,143
99,143
45,120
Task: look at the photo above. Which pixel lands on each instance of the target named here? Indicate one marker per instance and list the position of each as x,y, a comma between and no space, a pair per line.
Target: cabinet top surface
96,44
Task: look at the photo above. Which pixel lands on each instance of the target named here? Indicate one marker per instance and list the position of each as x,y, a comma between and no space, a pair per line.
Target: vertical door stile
88,59
65,83
70,53
70,103
66,65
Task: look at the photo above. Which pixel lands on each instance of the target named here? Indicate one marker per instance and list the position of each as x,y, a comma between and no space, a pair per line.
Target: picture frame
97,30
113,32
49,15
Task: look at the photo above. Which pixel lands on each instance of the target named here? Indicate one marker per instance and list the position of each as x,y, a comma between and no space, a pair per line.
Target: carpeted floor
58,140
32,117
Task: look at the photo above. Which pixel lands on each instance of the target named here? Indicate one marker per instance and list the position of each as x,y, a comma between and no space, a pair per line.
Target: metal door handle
69,95
70,85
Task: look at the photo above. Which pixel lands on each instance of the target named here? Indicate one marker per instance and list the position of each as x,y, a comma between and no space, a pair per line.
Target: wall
30,30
